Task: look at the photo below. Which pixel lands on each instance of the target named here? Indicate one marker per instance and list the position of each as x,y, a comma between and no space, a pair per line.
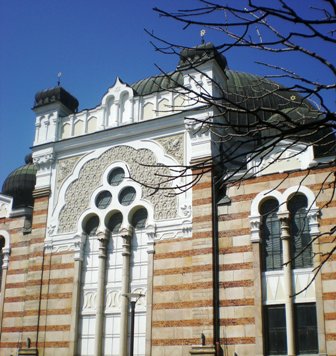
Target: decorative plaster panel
142,168
64,168
174,146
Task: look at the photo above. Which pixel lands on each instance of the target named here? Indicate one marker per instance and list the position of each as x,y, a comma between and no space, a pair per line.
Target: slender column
4,267
256,242
102,237
289,307
126,253
78,258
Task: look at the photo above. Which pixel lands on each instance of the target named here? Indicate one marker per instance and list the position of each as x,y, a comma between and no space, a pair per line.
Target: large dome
252,105
20,184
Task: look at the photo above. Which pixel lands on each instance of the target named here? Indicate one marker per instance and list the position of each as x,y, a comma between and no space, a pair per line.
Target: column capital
79,247
102,237
5,257
126,232
313,216
255,228
283,216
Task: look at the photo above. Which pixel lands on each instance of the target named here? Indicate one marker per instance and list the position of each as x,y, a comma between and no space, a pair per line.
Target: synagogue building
127,228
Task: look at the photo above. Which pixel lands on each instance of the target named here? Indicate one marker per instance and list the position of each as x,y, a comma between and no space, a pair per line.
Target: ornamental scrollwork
173,146
44,161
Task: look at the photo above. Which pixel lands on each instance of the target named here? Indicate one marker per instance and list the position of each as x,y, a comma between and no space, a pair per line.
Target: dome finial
202,33
59,74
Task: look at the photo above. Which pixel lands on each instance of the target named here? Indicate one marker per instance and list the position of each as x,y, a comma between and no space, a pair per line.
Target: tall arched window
87,316
270,233
301,249
113,283
139,271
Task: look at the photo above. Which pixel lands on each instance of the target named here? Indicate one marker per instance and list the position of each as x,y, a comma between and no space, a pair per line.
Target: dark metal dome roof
20,184
158,83
57,94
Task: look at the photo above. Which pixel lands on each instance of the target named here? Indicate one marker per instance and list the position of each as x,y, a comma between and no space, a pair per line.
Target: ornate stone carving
113,300
6,204
4,210
255,228
197,128
313,216
186,210
64,168
51,229
89,301
5,257
44,161
174,146
143,168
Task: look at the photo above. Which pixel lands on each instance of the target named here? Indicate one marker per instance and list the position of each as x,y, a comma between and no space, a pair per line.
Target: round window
127,196
91,225
115,222
116,176
103,199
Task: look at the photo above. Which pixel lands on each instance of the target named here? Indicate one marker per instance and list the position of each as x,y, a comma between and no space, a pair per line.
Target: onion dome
57,94
20,184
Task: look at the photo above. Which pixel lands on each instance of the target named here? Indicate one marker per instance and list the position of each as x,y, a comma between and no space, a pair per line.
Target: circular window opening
91,225
127,196
103,199
115,222
139,218
116,176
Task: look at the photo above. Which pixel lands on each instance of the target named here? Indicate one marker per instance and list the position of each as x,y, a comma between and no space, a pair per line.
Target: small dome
20,184
57,94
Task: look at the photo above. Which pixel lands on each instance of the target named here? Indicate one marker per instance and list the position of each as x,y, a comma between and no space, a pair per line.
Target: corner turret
49,106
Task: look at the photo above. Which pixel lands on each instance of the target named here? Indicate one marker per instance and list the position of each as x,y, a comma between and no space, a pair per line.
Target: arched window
115,222
91,225
139,218
301,249
89,278
270,233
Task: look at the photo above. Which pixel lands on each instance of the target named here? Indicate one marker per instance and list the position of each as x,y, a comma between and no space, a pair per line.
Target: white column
78,258
103,238
4,267
126,235
256,242
289,307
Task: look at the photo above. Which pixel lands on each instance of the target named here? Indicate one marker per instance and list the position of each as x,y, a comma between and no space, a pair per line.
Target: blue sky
90,42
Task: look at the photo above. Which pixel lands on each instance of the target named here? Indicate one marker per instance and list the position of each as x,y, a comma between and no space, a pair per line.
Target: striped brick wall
38,293
237,297
15,289
182,285
240,299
